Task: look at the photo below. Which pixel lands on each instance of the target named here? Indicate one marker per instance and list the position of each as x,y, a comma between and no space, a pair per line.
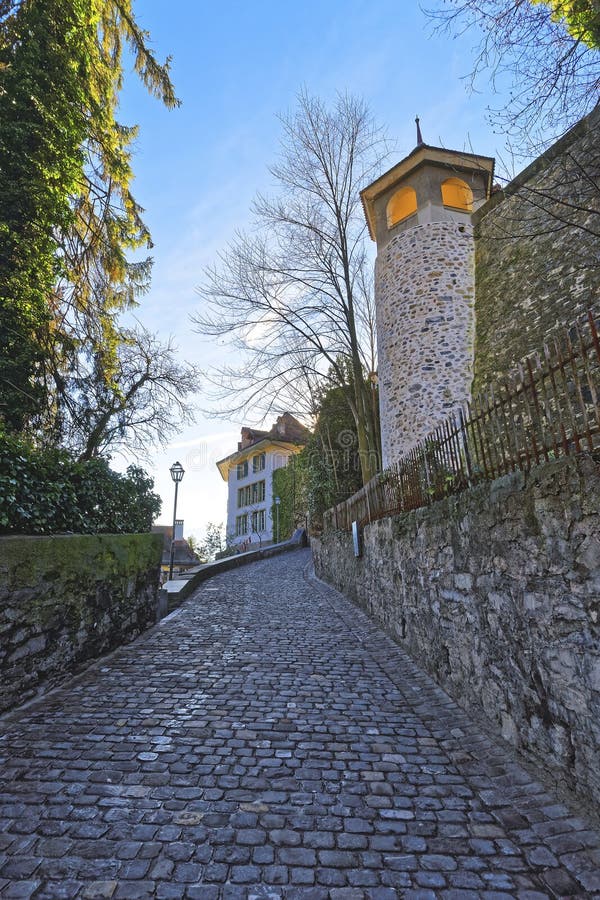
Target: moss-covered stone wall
67,599
537,259
496,593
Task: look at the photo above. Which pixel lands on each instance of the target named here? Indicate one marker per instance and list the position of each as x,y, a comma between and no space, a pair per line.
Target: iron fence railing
548,407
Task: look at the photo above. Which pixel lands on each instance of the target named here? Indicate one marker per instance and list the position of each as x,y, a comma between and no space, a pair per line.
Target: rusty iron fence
546,408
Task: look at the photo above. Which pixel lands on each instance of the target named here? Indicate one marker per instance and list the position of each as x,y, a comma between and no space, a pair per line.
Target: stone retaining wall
496,593
68,599
537,261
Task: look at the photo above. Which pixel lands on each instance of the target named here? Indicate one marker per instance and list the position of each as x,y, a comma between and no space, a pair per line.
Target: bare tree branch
146,403
295,297
553,79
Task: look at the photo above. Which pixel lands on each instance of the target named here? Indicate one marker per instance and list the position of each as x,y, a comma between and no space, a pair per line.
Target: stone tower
419,213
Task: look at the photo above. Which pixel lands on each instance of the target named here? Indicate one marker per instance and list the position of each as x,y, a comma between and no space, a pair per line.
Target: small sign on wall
356,539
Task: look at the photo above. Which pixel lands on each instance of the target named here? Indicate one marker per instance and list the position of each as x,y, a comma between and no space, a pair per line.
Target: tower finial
419,135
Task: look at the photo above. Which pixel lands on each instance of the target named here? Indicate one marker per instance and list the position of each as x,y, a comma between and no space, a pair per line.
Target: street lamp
177,472
277,502
374,379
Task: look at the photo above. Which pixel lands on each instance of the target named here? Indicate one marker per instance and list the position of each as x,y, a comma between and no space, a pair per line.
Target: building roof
423,154
183,555
287,433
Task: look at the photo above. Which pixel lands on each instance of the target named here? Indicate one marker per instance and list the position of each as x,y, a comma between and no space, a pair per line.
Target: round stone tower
419,213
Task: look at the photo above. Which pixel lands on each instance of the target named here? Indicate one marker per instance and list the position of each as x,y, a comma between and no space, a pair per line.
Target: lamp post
177,472
374,379
277,502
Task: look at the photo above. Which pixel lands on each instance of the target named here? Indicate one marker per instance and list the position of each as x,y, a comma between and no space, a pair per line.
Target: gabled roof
182,552
250,436
224,465
287,433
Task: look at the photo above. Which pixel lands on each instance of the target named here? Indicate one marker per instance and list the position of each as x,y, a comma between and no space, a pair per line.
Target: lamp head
177,471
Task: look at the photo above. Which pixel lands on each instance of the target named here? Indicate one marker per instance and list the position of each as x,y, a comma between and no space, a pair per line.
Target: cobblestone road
268,741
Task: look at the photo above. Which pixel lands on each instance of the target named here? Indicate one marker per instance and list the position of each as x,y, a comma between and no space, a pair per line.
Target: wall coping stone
538,165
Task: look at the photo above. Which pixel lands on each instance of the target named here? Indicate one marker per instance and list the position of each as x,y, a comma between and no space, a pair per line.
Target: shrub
48,492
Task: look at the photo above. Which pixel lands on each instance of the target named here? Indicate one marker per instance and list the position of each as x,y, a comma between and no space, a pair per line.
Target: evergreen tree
44,76
67,216
331,459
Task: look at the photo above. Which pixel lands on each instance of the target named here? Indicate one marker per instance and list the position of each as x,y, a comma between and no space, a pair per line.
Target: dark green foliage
68,223
42,80
48,492
328,469
290,484
332,456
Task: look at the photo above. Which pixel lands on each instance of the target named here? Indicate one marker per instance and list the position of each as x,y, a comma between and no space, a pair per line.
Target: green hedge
290,485
48,492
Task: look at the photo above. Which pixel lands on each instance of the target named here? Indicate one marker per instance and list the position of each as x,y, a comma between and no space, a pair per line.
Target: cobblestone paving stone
267,741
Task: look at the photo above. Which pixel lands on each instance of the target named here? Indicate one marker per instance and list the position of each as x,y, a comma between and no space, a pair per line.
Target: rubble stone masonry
67,599
496,593
537,253
425,298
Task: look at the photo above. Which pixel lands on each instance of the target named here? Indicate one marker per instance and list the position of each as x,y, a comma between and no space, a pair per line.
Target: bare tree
142,405
294,297
554,77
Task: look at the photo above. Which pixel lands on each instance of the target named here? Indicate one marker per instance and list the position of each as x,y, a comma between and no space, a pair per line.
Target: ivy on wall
290,484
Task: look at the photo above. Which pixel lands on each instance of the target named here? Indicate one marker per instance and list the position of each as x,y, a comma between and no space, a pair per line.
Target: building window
242,469
258,520
402,205
251,493
259,462
241,525
457,194
258,492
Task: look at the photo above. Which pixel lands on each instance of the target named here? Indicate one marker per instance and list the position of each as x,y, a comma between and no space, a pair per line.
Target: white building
249,475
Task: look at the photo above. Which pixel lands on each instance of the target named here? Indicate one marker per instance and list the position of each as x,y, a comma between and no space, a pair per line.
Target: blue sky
235,67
